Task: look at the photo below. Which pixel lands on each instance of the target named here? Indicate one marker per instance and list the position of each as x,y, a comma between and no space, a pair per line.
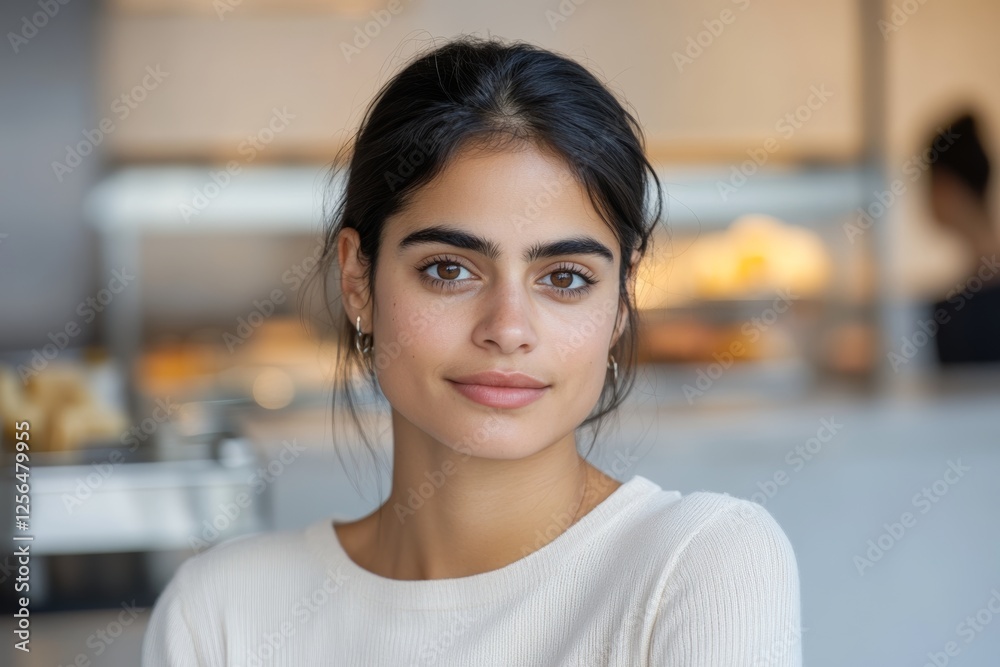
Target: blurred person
968,316
496,208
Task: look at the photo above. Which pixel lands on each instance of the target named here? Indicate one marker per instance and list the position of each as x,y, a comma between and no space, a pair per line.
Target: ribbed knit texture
648,577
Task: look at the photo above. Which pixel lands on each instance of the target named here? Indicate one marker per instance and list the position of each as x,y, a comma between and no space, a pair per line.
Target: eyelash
572,292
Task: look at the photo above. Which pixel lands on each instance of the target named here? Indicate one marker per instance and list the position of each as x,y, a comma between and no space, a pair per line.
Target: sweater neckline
478,589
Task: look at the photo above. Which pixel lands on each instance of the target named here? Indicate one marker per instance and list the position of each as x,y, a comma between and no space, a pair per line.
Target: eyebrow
577,245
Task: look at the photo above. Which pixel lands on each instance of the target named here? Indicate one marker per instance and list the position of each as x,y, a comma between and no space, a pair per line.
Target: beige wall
226,74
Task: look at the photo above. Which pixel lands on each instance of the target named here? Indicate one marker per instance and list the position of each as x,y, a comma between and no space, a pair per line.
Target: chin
495,437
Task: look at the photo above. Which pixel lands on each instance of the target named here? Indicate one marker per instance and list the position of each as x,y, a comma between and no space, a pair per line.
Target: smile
499,397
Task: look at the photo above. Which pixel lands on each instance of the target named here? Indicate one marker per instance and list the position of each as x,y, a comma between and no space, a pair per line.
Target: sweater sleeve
169,639
732,596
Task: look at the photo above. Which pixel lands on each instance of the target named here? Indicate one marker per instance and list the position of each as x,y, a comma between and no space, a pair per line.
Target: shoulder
728,581
223,592
707,528
740,530
701,518
713,543
238,561
678,539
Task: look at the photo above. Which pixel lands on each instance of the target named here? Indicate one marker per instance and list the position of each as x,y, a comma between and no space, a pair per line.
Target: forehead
516,197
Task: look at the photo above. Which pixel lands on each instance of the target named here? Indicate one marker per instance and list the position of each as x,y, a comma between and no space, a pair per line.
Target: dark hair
475,89
965,157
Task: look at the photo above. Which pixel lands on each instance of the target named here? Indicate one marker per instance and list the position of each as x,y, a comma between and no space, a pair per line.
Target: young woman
497,205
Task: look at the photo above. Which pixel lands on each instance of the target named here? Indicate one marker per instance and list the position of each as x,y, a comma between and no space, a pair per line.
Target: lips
499,397
501,379
499,389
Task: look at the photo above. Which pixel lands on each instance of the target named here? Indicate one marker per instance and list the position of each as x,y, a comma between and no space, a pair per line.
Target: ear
623,308
355,297
633,263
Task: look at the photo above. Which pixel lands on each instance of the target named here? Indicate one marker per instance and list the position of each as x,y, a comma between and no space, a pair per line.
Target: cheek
584,345
415,333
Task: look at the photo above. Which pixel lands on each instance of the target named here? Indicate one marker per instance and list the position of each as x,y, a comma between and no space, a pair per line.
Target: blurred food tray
113,506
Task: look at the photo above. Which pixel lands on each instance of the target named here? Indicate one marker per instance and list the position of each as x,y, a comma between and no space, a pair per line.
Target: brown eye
441,272
562,279
449,273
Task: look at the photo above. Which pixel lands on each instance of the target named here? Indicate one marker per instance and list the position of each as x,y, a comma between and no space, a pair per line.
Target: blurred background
820,313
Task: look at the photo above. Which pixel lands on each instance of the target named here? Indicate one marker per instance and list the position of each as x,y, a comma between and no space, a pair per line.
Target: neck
451,514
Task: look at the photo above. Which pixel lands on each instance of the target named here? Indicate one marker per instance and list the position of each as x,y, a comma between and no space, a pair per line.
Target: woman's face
461,288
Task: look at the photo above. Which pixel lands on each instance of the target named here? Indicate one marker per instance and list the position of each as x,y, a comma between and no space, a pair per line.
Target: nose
507,317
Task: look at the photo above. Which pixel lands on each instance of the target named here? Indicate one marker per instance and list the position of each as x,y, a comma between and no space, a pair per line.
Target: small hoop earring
357,341
612,364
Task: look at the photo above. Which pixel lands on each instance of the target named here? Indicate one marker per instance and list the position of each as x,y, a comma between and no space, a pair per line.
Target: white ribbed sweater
648,577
